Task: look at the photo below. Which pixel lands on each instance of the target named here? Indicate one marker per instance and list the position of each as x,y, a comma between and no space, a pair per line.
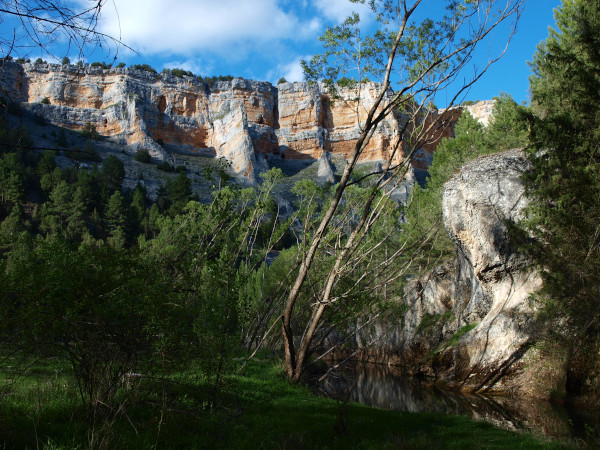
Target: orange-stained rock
292,120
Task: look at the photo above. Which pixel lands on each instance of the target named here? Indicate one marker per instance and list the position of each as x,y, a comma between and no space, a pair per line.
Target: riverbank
257,408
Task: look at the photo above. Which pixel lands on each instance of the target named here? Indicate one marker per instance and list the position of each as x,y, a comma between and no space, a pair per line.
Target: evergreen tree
565,131
64,213
116,219
113,172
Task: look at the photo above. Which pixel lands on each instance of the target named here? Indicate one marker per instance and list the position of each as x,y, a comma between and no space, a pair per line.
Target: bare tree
35,25
420,56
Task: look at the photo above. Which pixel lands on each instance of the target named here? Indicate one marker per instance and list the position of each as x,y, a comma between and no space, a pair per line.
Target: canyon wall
241,120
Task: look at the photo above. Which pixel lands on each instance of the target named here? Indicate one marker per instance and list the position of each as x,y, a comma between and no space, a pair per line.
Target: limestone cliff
238,120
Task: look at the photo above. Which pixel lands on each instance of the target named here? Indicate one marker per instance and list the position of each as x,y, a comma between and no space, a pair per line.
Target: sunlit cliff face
235,119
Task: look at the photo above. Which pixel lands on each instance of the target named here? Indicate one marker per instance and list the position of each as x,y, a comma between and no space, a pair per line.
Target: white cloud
185,27
338,10
291,71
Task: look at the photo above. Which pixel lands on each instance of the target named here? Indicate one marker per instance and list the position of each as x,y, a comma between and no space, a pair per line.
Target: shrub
142,156
45,101
120,65
282,80
165,167
145,67
66,60
89,131
61,139
39,61
181,72
87,154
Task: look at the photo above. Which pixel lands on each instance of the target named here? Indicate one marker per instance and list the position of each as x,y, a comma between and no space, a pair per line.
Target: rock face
470,322
238,120
493,283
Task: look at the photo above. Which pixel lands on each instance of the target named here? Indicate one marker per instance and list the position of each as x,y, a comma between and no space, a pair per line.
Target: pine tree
565,185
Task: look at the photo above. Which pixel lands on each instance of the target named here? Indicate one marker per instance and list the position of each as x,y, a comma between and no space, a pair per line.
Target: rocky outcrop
481,110
470,322
494,281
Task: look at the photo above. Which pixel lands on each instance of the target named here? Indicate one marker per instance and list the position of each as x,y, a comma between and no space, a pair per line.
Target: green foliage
63,214
102,64
270,413
166,167
45,101
142,155
565,183
282,80
178,72
121,65
89,131
211,81
144,67
40,61
113,172
506,130
87,154
176,193
61,139
65,60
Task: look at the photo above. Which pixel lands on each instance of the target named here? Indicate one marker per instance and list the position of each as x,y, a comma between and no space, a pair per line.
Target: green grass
258,409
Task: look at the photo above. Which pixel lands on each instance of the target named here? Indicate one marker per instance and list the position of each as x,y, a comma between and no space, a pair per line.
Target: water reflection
386,388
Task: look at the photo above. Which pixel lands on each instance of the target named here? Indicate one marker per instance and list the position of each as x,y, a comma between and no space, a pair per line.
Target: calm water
384,388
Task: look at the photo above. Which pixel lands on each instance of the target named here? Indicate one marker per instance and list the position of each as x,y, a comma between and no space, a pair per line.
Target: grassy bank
256,409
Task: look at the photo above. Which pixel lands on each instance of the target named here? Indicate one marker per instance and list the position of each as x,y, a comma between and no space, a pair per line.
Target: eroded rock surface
469,323
166,115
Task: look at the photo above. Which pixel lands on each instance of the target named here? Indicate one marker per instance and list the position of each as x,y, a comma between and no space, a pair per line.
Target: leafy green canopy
431,51
505,131
565,132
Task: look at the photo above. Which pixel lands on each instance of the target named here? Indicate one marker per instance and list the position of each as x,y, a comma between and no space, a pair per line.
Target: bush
282,80
89,131
66,60
87,154
181,73
45,101
165,167
142,156
145,67
120,65
61,139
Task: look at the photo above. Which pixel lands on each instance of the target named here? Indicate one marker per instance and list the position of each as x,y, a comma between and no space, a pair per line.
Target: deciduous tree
414,57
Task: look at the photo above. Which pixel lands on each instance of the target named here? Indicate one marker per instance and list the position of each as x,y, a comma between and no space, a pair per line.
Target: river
386,388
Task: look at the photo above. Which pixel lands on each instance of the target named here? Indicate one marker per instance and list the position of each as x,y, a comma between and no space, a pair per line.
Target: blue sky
266,39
